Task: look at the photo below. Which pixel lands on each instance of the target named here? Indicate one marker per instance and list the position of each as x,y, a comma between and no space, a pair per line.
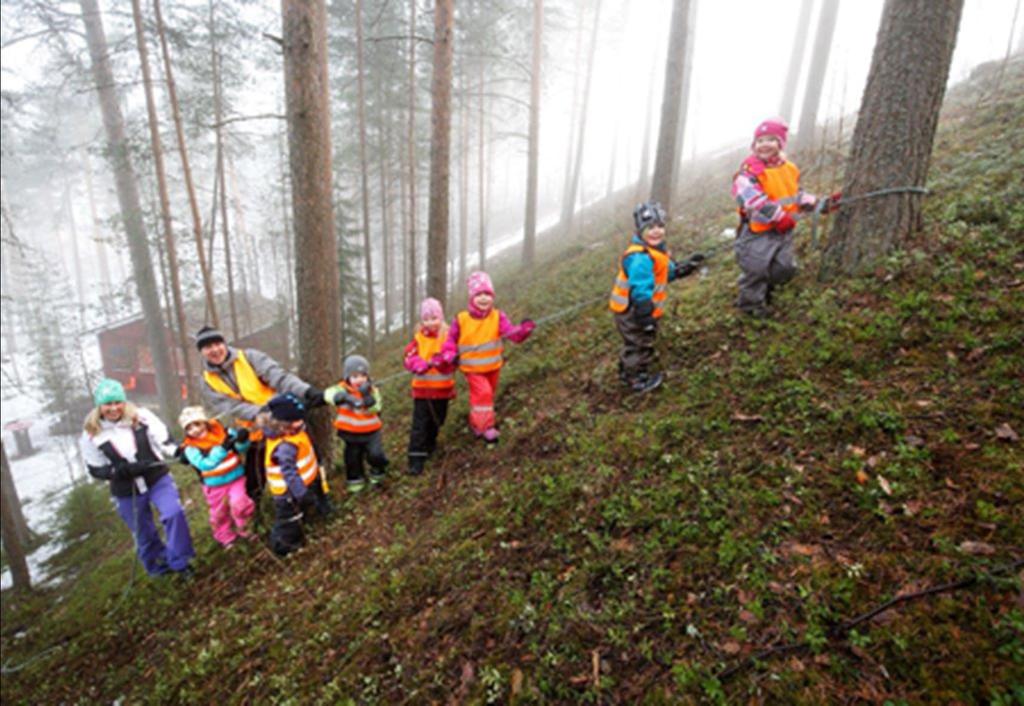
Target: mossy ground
791,474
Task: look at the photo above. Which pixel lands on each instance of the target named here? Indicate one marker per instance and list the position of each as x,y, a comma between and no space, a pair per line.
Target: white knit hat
190,415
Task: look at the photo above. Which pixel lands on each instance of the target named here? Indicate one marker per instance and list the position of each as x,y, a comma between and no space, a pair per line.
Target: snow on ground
42,479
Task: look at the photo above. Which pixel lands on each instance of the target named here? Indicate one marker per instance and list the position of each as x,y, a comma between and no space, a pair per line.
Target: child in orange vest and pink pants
475,340
432,388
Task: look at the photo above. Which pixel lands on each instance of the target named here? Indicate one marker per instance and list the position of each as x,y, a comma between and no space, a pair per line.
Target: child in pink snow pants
475,341
216,454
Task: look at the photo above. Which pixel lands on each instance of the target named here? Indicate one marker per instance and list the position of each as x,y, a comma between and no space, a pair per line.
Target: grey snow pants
766,260
637,345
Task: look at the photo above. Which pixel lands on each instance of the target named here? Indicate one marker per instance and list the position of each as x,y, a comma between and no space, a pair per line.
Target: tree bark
131,211
671,104
796,61
892,142
533,148
14,529
165,202
316,250
440,152
190,189
364,180
569,200
816,74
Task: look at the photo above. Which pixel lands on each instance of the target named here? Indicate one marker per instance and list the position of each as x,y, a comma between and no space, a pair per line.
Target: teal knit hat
108,391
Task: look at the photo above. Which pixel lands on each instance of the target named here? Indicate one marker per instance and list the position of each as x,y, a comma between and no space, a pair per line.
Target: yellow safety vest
250,388
306,462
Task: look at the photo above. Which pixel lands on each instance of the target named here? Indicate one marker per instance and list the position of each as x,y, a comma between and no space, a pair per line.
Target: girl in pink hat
475,340
432,388
767,191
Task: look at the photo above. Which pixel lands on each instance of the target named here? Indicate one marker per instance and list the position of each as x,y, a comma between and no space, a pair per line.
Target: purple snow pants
138,515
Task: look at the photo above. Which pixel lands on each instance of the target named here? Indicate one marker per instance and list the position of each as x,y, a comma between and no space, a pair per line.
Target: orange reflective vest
250,389
619,300
781,184
355,421
306,463
426,348
480,345
215,436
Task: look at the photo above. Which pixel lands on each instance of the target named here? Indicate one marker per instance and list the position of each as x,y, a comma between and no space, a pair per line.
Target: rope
847,201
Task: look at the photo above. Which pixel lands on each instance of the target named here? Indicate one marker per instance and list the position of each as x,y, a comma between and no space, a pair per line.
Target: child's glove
527,326
229,444
833,202
242,435
785,224
314,397
807,202
343,398
419,367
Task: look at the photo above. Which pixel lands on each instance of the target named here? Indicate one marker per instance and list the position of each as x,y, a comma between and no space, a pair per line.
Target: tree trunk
76,258
685,99
165,202
410,253
190,189
671,104
440,152
816,74
307,98
131,211
481,180
533,149
569,200
221,180
796,61
570,141
14,530
97,236
643,181
892,142
248,267
383,151
364,180
463,177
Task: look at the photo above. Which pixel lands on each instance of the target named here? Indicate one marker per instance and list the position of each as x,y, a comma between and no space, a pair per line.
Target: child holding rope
358,423
475,340
216,454
767,190
432,387
294,477
639,293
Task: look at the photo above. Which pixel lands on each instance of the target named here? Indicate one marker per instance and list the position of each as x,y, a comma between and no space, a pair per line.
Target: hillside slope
791,475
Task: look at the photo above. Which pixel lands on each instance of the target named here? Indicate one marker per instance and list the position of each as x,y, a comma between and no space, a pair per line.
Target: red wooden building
126,355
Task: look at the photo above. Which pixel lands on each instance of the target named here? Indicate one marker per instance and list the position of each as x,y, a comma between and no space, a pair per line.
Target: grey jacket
266,368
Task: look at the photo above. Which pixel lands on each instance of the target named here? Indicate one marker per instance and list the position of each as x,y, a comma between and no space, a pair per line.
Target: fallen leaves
1004,432
977,548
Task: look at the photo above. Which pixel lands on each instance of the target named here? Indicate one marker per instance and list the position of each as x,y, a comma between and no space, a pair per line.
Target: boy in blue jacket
639,293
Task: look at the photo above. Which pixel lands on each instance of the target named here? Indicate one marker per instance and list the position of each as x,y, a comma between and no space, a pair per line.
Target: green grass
791,474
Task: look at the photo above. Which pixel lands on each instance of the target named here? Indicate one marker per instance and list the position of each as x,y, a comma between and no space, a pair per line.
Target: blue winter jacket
639,269
207,461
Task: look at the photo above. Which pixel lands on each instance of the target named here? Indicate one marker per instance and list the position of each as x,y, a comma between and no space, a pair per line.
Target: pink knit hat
479,283
775,127
430,308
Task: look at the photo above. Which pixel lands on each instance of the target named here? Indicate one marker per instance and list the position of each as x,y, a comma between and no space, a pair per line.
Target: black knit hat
207,335
286,408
